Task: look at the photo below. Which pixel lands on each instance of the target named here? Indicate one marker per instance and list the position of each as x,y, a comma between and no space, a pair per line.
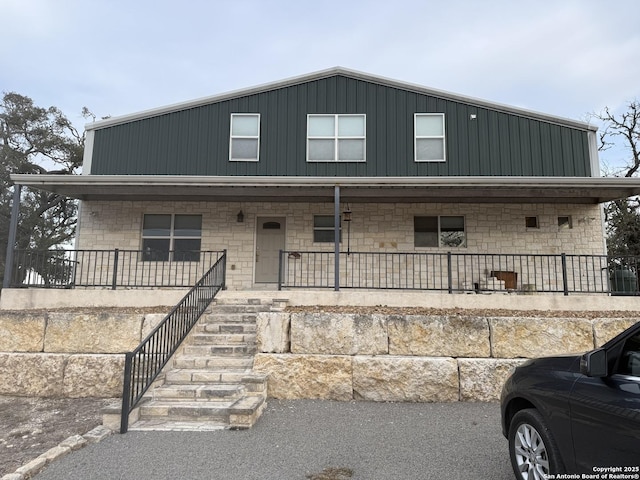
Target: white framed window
171,237
323,229
336,138
244,143
439,231
429,143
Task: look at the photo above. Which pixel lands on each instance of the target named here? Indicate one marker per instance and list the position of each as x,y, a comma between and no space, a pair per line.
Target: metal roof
321,189
330,73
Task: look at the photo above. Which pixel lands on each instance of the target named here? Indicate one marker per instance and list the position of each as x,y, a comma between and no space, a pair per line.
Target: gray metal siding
195,141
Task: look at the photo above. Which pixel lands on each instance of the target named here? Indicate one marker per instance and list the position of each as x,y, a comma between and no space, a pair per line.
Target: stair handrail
144,364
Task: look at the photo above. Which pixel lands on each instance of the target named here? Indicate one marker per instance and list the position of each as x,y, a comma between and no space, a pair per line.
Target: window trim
171,237
251,137
336,137
439,232
416,137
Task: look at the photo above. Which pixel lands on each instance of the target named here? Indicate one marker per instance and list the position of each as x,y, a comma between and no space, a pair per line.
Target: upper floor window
171,237
244,145
429,137
442,231
336,138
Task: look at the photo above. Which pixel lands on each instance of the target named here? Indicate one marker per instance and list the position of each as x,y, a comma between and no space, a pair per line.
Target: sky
568,58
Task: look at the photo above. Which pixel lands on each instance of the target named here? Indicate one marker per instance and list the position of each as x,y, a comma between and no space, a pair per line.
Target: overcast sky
562,57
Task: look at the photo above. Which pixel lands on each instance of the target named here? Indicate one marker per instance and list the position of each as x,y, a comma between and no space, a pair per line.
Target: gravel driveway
311,439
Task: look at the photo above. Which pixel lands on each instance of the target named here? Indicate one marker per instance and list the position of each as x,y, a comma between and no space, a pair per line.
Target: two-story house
431,190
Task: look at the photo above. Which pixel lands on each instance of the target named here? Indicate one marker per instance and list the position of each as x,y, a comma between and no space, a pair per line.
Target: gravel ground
30,426
314,440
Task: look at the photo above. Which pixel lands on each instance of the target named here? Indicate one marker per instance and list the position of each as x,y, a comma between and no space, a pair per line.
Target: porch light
346,215
240,217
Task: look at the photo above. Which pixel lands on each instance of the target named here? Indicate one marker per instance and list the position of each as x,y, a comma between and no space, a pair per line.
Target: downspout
11,242
336,237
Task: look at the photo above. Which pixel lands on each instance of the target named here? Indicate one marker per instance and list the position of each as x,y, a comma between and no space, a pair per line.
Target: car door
605,412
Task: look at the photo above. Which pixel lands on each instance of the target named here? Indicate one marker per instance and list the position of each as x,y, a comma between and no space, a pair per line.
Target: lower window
439,231
171,237
323,229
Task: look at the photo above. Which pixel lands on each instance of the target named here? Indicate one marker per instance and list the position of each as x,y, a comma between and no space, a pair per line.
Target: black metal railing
143,365
461,272
109,268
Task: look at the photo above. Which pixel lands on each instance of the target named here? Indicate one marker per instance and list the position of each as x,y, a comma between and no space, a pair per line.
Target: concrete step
212,362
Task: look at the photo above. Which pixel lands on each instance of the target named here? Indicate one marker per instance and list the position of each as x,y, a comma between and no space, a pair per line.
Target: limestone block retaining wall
63,354
421,358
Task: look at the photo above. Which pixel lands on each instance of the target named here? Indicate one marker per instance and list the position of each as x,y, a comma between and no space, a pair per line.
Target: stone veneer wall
411,357
56,354
376,227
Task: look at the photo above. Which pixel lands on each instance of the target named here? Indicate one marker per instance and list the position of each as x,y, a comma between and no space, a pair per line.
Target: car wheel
533,452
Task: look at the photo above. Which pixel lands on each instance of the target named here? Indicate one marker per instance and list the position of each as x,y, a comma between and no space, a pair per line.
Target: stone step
203,377
212,362
164,425
230,328
237,309
199,392
211,411
231,350
196,415
228,318
200,337
241,301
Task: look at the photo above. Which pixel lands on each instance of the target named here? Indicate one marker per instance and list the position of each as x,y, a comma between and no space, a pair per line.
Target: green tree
623,216
37,140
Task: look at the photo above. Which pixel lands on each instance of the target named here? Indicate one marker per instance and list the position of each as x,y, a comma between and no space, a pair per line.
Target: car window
630,357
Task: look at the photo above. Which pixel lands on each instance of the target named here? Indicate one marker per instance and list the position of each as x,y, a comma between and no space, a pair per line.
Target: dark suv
576,414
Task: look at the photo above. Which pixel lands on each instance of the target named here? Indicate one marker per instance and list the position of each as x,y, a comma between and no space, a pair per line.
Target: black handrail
144,364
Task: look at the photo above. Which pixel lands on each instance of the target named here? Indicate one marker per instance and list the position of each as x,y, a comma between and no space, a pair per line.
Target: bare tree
623,216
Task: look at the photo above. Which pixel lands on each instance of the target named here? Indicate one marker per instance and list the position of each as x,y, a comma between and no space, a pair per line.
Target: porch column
11,241
336,231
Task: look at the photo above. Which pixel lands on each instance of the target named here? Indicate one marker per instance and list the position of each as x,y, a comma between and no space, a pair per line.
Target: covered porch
376,248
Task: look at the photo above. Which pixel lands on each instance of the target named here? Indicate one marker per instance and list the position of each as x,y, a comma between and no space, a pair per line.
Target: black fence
143,364
461,272
109,268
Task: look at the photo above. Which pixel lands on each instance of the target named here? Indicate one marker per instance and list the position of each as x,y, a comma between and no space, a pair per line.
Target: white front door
270,238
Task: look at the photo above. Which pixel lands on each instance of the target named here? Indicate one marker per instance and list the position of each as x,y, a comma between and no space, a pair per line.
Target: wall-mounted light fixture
240,217
346,216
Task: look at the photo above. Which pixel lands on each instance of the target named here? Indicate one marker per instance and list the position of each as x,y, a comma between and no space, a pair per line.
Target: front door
269,241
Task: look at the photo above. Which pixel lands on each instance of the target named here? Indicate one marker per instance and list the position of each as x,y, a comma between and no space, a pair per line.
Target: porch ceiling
321,189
